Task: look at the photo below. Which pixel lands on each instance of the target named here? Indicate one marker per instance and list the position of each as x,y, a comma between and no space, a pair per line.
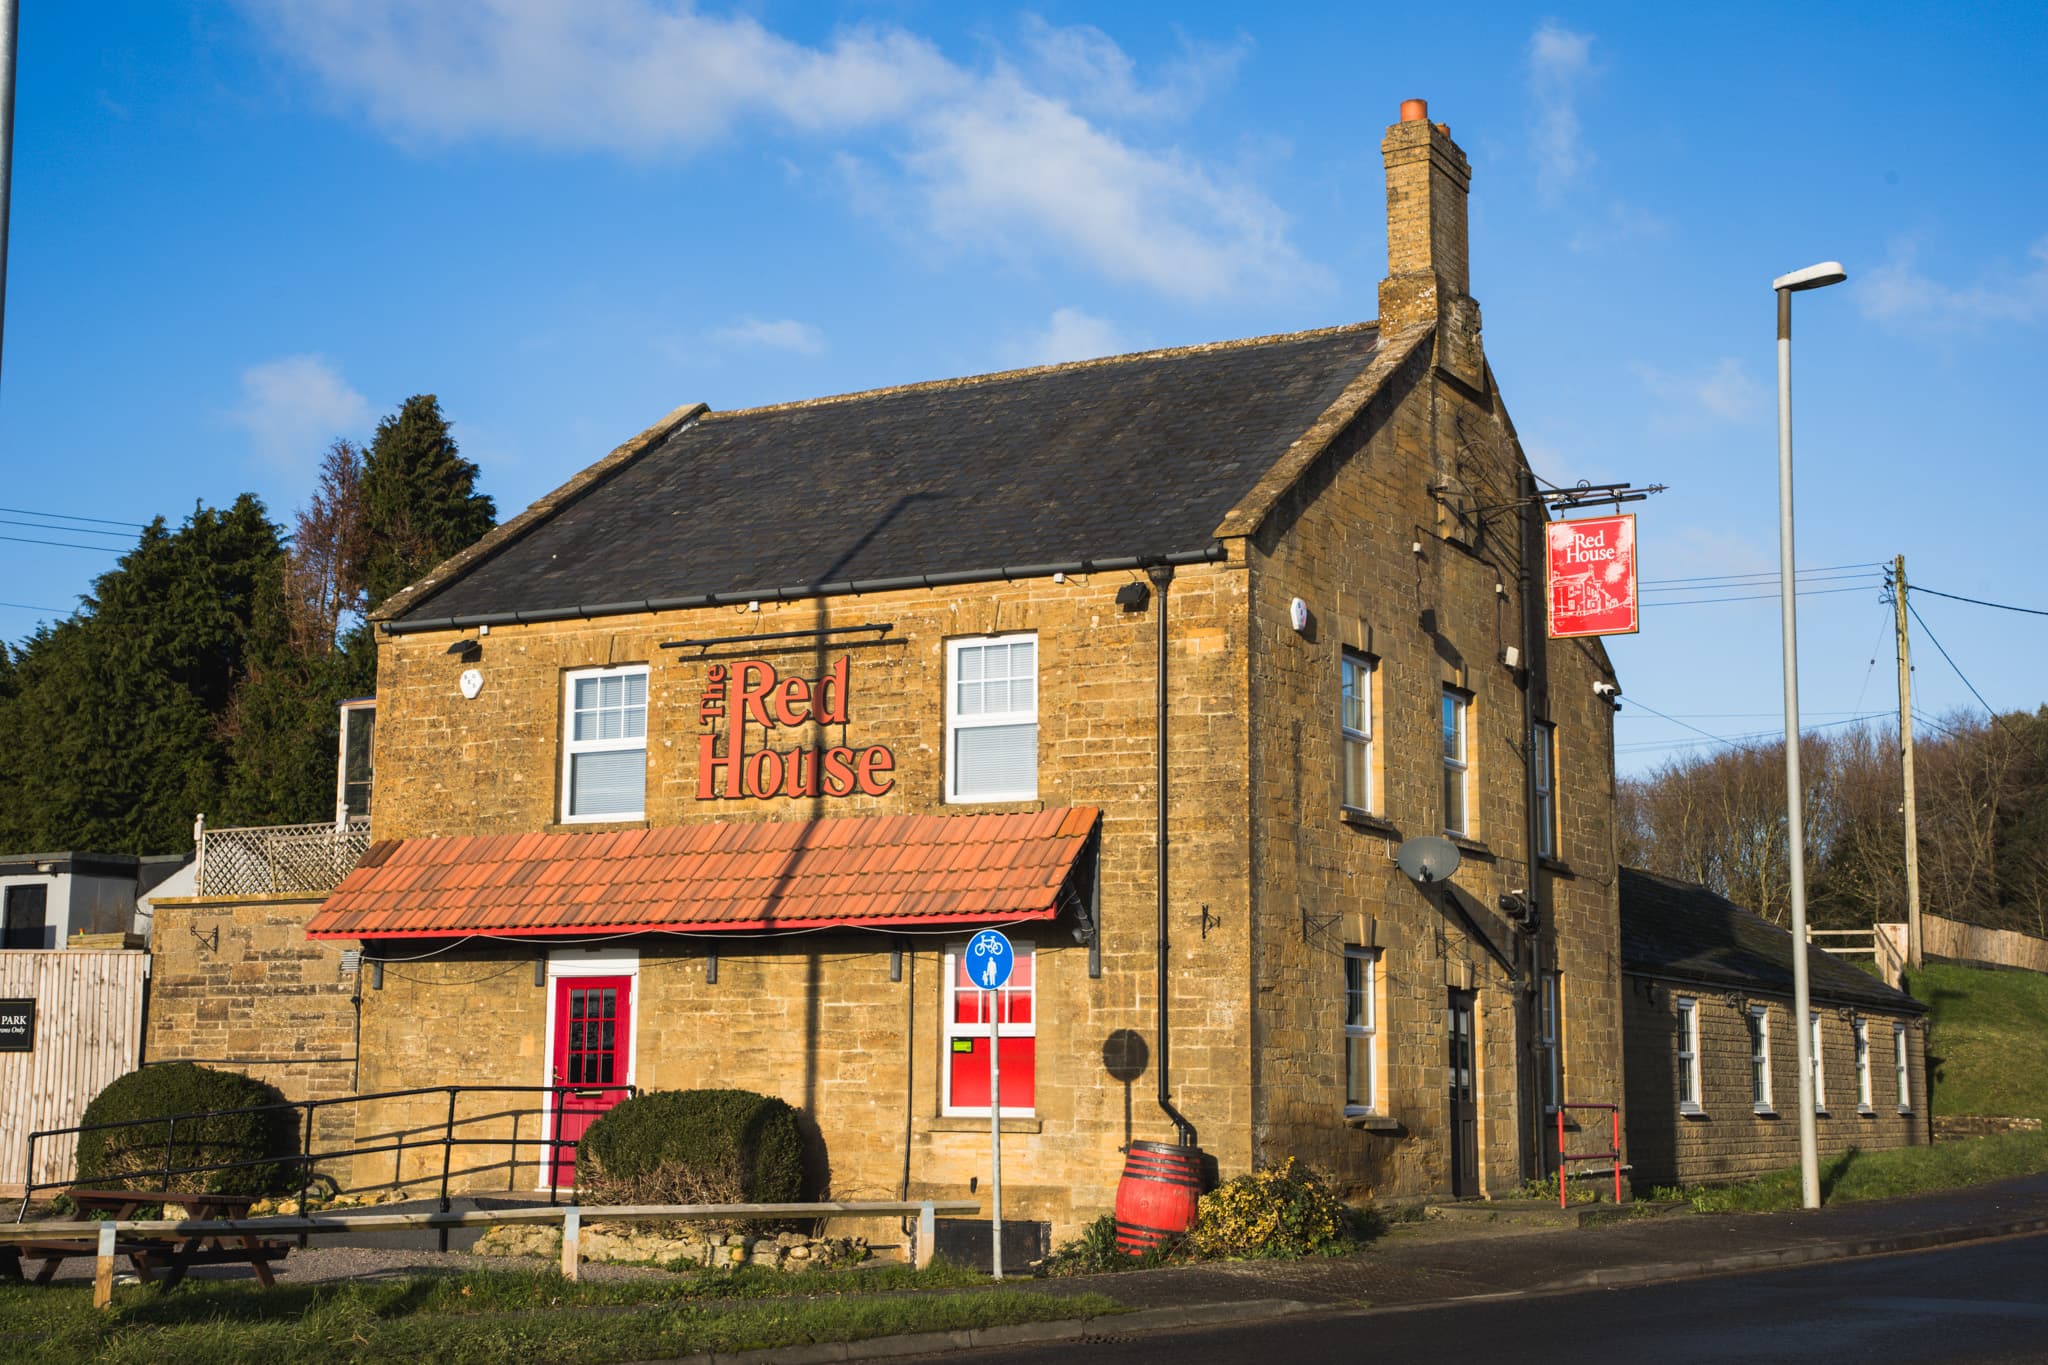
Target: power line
1952,663
1757,597
23,606
66,516
1974,601
1770,574
65,544
73,530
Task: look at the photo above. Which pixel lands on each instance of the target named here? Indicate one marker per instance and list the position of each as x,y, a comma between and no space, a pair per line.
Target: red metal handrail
1613,1155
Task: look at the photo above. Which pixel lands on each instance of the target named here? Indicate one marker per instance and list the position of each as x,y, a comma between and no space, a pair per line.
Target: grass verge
500,1315
1855,1174
1985,1041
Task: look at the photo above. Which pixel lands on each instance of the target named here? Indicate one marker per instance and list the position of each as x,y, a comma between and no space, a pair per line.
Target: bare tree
330,539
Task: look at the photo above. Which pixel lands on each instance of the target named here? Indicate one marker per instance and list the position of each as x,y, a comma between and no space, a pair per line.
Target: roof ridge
1095,362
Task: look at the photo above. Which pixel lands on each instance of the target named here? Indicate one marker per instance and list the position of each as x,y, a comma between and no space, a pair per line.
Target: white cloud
987,157
1897,292
1624,223
1560,66
295,406
784,334
1070,334
1725,393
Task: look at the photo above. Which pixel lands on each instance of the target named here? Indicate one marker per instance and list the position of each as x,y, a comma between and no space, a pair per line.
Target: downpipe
1162,578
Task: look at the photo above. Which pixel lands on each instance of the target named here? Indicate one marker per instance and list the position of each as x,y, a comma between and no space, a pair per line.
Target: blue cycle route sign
990,960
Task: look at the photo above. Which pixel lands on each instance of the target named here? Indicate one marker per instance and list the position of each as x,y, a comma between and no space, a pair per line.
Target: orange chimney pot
1414,111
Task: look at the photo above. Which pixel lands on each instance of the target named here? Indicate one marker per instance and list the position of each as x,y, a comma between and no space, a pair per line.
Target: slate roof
1139,455
873,870
1682,930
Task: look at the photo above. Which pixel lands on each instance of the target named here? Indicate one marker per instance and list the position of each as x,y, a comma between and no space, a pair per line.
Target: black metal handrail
308,1158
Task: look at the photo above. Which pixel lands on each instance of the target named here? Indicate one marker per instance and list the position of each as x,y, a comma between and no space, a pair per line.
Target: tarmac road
1982,1303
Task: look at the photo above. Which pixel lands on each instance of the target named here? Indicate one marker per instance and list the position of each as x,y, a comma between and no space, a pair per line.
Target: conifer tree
420,503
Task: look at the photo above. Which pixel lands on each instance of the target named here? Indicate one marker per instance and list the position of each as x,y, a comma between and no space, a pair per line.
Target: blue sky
240,230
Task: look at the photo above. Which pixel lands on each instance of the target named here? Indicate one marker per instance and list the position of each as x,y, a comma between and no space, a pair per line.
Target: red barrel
1156,1199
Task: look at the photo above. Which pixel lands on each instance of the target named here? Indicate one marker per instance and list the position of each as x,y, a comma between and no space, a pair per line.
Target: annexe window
1688,1055
992,719
1901,1066
966,1030
604,749
1457,764
1543,754
1760,1059
28,918
1355,722
1820,1103
1862,1032
1361,1031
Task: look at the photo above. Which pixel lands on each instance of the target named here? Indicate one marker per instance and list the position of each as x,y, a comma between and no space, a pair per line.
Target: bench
149,1253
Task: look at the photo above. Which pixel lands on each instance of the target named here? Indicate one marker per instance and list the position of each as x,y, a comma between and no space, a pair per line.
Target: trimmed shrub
694,1146
1284,1210
133,1157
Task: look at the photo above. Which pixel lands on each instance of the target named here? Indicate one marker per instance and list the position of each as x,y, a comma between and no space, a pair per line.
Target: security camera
1603,688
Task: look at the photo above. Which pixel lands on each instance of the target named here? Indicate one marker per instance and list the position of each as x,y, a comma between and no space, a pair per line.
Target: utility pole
1906,765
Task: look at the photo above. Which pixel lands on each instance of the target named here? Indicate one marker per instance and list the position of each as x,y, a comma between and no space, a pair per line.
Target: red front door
593,1046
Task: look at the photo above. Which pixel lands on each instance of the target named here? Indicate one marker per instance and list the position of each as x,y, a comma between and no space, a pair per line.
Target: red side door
593,1047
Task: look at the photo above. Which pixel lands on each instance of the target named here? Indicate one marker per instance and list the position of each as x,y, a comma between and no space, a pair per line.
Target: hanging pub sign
17,1026
754,692
1593,577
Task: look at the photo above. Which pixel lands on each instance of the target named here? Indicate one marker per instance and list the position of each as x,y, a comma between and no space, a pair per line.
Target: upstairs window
1543,754
1354,722
604,750
992,719
1457,764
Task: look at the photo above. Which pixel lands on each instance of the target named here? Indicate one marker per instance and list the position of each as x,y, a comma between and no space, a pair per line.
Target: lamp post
1813,277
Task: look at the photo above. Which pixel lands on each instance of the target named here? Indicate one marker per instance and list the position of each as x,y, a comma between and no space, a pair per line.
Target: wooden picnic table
172,1254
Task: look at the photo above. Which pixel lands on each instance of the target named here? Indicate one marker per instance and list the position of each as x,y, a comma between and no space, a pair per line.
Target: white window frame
956,723
1689,1055
1369,970
1456,703
1861,1029
1543,753
1355,664
1760,1060
1549,1003
1820,1103
951,1028
571,746
1902,1068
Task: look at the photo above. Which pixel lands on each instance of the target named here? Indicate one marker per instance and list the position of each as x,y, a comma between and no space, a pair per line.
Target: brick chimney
1428,278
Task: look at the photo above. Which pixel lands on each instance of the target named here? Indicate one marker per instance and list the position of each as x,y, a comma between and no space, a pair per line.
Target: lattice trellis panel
279,859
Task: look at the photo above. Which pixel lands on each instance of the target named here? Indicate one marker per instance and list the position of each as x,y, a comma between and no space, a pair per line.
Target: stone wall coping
249,898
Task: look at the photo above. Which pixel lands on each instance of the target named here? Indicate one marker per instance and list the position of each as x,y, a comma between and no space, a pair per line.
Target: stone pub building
703,769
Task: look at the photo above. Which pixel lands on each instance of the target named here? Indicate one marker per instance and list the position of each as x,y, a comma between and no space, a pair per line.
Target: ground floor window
1688,1056
1361,1031
970,1011
1547,1043
1760,1058
1862,1030
1901,1067
1820,1104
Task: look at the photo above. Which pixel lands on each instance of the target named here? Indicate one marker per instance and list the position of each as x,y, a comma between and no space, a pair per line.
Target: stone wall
236,984
1728,1140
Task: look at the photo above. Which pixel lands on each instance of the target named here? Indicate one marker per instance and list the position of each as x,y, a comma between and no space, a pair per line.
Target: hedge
133,1156
697,1144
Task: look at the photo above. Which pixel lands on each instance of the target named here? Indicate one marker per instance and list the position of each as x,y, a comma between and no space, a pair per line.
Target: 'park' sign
1593,577
17,1026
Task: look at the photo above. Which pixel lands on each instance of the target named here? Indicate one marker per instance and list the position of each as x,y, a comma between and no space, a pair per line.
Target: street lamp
1813,277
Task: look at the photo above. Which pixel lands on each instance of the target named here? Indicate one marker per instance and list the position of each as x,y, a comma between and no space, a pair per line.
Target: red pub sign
754,692
1593,577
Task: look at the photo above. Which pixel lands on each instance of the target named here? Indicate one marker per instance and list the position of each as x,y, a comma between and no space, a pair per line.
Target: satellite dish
1427,858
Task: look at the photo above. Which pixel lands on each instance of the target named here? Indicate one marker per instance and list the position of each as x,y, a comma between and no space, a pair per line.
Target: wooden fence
88,1030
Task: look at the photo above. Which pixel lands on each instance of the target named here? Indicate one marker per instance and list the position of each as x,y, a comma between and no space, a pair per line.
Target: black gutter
1162,578
850,588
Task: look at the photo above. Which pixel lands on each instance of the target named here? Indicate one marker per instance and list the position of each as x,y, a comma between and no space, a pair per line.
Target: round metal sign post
990,960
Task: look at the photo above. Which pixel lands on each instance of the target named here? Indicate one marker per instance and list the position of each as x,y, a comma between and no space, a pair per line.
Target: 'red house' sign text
1593,577
753,691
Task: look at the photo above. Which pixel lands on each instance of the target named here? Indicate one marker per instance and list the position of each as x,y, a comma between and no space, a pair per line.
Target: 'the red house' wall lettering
753,690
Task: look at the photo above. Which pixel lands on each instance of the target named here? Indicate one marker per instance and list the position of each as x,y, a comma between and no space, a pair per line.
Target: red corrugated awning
875,870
